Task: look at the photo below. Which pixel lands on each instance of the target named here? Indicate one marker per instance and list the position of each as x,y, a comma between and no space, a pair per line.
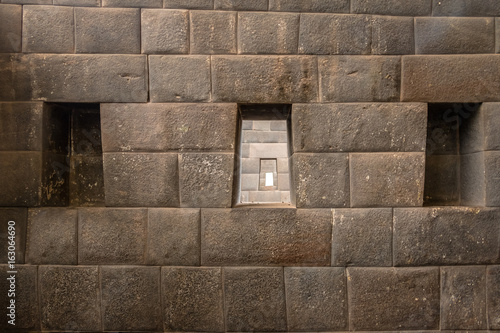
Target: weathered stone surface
241,5
11,26
392,35
362,237
164,127
473,179
321,180
450,78
69,298
56,129
21,126
85,130
360,79
492,177
179,78
446,236
493,296
327,6
206,179
212,32
393,298
268,33
108,30
463,298
79,3
271,79
442,176
164,31
192,299
86,182
284,237
173,237
129,178
189,4
131,298
52,236
20,217
316,298
359,127
29,2
20,178
55,180
392,7
247,292
133,3
111,236
465,8
442,124
387,180
491,118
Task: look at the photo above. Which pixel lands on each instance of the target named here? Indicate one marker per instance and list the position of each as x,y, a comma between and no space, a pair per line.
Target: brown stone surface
473,179
492,175
21,126
189,4
392,7
11,25
164,31
86,187
392,35
133,3
465,8
241,5
20,217
22,187
212,32
493,296
333,6
442,176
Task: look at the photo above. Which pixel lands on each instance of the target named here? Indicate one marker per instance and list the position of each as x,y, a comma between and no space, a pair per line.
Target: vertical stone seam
236,32
146,242
319,98
350,7
148,80
348,293
99,298
78,228
211,99
268,5
188,32
39,296
332,221
298,35
392,237
349,156
486,307
162,303
223,289
284,297
140,29
440,278
199,236
22,28
74,30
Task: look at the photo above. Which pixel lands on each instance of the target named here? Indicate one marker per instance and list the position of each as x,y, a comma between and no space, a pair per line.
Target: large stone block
360,79
133,3
20,178
69,298
11,18
316,299
212,32
79,3
164,31
465,8
20,217
86,181
321,180
359,127
111,236
131,298
492,177
463,298
189,4
442,177
393,298
270,79
473,179
268,33
21,126
451,78
493,296
254,299
321,6
192,299
491,118
241,5
29,2
173,237
387,180
129,178
392,35
446,236
392,7
284,237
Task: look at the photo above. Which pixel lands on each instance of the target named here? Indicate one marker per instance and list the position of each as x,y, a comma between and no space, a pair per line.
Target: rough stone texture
463,298
206,179
129,178
10,26
192,299
362,237
465,8
392,7
241,5
111,236
22,187
164,127
359,127
29,2
173,237
69,298
179,78
79,3
393,298
360,79
392,35
131,298
21,126
446,236
247,292
271,79
189,4
52,236
133,3
328,6
442,78
454,35
19,216
272,33
442,176
86,183
473,179
321,180
316,299
491,119
497,35
492,177
493,296
164,31
108,30
212,32
284,237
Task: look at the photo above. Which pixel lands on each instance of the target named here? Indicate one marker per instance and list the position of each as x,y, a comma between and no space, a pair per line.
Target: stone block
129,178
254,299
493,296
321,6
316,298
20,217
86,182
264,150
270,79
111,236
21,126
54,187
264,137
492,177
446,236
48,29
473,179
359,127
497,35
249,182
268,33
442,177
11,25
241,5
179,78
463,298
79,3
20,178
465,8
387,179
450,78
131,298
189,4
250,165
192,299
212,32
85,130
173,237
108,30
133,3
321,180
392,35
393,298
164,31
52,236
362,237
360,79
75,292
491,118
263,237
392,7
206,179
264,196
29,2
471,124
